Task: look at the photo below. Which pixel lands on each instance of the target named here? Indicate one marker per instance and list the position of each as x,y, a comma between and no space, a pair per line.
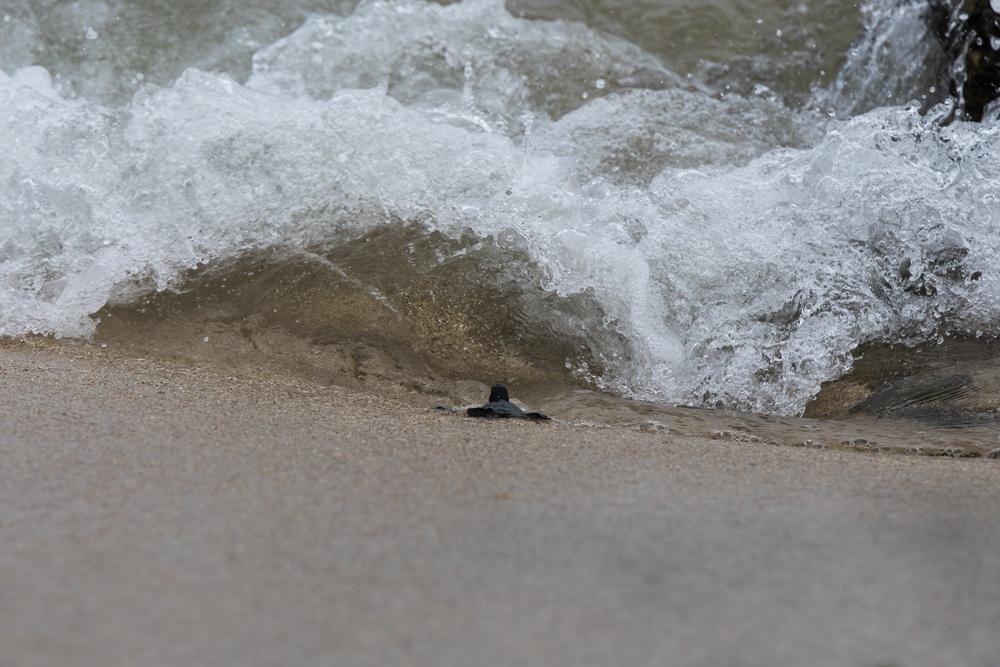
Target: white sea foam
743,250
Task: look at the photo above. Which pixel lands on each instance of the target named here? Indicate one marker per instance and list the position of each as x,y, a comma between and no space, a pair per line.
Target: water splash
718,251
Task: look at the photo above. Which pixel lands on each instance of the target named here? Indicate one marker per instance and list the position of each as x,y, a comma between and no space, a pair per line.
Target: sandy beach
166,514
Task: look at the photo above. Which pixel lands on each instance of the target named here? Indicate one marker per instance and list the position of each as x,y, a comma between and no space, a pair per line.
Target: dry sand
153,514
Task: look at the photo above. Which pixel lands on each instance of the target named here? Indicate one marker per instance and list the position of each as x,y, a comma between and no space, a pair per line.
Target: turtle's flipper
536,416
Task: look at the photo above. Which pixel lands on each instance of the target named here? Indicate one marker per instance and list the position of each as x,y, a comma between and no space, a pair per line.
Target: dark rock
981,33
969,32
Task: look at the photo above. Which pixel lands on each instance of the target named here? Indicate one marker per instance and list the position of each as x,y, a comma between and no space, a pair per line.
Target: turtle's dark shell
500,407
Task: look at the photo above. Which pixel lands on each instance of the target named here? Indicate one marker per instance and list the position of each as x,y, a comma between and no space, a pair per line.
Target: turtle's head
499,393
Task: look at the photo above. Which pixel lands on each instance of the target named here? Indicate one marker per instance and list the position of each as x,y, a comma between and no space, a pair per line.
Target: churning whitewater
706,247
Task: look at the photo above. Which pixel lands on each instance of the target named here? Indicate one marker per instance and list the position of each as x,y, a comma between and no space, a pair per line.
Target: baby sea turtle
500,407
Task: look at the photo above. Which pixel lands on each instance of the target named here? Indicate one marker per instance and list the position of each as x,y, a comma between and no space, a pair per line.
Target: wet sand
165,514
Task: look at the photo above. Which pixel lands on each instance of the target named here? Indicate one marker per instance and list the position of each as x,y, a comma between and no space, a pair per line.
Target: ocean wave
649,238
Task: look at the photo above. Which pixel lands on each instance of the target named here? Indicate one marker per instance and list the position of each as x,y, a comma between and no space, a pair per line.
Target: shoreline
401,384
172,514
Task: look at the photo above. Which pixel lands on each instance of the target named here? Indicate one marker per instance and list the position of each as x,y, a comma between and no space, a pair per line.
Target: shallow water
715,206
